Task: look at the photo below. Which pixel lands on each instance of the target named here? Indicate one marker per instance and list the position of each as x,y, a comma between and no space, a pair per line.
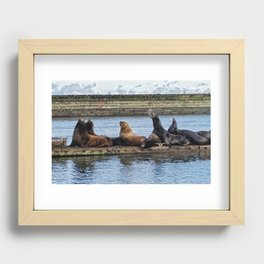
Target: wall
132,19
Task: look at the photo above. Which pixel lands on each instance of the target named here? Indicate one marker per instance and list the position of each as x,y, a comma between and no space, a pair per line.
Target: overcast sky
130,87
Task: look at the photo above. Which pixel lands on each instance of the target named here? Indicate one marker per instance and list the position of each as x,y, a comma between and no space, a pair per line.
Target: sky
79,87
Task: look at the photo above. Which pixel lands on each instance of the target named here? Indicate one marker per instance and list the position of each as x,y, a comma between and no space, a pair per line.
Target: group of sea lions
84,136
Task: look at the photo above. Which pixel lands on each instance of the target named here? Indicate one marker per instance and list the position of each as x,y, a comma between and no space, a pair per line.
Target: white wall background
132,19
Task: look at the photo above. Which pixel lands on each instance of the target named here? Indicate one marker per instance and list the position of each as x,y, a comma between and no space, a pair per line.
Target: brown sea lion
95,140
80,136
194,137
166,137
129,137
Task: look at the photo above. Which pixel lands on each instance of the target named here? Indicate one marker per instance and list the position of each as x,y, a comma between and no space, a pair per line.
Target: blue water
130,169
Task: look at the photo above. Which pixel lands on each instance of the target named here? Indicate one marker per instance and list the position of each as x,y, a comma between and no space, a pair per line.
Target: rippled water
130,169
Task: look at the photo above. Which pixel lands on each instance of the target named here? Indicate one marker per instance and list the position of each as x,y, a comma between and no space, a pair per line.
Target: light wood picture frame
28,216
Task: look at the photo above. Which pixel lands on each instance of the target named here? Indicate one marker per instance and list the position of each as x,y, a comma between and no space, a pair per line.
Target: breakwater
129,105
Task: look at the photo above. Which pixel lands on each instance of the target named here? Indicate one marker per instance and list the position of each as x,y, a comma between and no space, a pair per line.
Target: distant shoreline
129,105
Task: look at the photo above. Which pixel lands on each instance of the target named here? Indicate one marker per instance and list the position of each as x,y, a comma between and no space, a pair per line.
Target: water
130,169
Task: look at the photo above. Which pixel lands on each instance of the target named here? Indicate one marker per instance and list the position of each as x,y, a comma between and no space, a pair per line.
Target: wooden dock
179,151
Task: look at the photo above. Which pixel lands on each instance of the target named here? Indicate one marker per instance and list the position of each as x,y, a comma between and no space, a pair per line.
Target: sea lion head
173,129
151,113
89,125
81,124
81,121
124,124
174,124
154,117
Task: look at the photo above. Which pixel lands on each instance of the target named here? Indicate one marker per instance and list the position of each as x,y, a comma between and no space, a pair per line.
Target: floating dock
179,151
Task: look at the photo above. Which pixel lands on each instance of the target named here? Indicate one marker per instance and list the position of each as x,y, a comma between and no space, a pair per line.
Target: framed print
131,132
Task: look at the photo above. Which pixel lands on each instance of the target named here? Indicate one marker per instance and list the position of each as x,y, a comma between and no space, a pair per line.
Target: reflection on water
130,169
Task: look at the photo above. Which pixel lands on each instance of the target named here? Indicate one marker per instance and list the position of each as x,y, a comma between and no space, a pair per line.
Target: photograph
131,131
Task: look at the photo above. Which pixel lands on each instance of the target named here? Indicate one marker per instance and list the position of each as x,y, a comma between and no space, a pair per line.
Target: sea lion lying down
206,134
82,138
196,138
160,134
129,137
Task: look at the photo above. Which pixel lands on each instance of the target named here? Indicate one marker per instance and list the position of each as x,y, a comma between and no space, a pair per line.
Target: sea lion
95,140
152,140
80,136
193,137
129,137
163,134
206,134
